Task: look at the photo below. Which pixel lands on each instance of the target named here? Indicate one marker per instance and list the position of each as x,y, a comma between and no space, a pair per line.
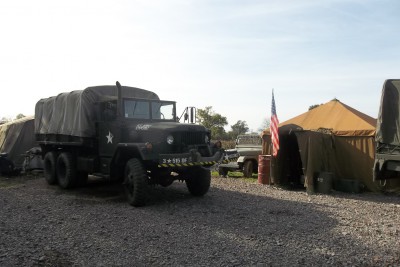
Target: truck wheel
49,165
66,170
199,181
248,169
222,172
136,183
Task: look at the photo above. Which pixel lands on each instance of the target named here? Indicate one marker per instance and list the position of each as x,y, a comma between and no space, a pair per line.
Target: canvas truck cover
74,113
388,123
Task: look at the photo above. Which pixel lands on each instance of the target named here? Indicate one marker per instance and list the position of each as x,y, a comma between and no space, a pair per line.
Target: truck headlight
170,139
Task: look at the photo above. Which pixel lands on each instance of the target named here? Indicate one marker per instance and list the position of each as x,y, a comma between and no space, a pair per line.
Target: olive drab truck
122,133
387,137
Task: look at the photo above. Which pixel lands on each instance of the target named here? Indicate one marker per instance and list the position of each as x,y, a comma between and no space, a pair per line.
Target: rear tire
136,183
49,166
66,170
199,181
248,169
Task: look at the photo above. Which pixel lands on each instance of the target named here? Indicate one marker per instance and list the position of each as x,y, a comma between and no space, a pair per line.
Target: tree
240,127
20,116
314,106
265,124
213,121
4,120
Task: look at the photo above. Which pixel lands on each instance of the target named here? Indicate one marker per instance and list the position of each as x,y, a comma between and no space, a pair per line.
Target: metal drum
264,169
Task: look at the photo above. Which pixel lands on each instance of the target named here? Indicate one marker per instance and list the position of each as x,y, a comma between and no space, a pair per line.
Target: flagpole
270,164
270,148
274,133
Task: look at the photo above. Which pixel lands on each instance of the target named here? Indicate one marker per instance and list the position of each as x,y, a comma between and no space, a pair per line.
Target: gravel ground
238,223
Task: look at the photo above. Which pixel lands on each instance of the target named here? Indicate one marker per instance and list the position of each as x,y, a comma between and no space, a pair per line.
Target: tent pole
270,164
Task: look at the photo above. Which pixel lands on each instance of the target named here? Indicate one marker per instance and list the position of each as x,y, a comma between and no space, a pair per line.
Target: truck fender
123,153
242,159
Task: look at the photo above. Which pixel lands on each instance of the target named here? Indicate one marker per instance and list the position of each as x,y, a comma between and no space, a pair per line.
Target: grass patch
8,182
238,175
250,180
16,180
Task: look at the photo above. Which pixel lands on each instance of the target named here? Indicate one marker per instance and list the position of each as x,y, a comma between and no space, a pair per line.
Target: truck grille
189,138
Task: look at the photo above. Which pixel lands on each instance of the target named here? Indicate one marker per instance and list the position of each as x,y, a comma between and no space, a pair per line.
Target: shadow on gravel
233,228
97,190
223,228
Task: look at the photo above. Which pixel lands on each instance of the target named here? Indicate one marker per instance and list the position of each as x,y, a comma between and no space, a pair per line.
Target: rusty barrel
264,163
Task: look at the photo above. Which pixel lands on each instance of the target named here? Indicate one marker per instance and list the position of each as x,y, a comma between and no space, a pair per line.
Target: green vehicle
387,138
122,133
244,158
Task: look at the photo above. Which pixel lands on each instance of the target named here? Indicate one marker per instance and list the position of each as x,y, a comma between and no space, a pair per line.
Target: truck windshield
143,109
249,140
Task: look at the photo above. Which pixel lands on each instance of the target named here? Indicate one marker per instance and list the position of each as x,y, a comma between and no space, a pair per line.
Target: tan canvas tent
332,138
16,138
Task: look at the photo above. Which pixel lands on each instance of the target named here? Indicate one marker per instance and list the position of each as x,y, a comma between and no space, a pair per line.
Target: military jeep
244,157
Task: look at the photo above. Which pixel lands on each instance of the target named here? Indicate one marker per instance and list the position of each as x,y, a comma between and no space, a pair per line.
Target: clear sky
227,54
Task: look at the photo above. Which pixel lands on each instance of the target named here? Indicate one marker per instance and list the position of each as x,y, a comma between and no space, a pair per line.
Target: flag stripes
274,128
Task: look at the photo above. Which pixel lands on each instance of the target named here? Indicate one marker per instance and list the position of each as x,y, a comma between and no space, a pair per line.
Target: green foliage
265,125
20,116
213,121
4,120
314,106
228,144
240,127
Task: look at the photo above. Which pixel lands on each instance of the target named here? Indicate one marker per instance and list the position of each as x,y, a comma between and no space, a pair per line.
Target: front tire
136,183
223,172
199,181
49,166
248,169
66,170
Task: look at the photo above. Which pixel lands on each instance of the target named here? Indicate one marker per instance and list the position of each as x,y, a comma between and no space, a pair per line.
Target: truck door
109,134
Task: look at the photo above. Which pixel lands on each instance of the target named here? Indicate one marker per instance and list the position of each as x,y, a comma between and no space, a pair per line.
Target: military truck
244,157
123,133
387,138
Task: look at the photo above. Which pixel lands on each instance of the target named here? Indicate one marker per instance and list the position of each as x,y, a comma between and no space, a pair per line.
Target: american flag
274,128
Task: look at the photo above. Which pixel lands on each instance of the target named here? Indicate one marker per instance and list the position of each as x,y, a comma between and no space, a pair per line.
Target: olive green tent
332,138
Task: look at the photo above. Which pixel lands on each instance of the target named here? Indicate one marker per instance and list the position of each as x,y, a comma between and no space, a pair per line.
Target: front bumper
190,159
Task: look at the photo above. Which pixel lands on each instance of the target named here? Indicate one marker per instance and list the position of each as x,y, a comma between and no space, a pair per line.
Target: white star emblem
109,137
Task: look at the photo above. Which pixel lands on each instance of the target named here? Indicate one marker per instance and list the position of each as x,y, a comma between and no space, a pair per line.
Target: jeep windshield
149,110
